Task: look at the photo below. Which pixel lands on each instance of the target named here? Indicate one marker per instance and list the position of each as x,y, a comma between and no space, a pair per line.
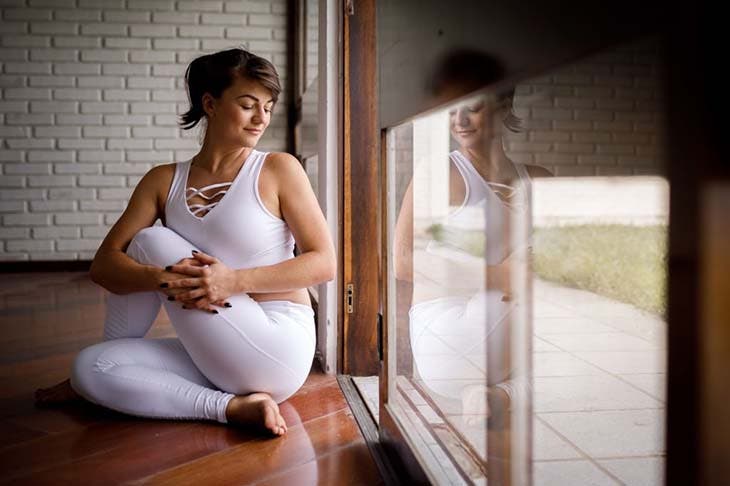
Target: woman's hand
499,275
213,282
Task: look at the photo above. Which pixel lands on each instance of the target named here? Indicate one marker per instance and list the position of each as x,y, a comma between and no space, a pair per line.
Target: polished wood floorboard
46,318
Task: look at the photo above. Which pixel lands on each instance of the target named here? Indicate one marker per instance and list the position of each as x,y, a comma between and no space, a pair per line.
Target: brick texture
90,91
599,116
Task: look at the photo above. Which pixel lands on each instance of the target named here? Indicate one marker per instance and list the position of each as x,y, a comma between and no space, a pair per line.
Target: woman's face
242,113
467,123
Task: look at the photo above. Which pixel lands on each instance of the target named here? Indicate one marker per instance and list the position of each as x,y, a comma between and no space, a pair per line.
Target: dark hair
465,70
213,73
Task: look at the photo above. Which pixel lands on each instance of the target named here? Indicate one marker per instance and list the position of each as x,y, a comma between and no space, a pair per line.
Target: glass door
525,255
458,297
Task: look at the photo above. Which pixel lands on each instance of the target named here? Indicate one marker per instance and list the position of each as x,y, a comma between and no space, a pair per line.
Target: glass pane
600,249
310,97
311,44
527,227
311,166
455,308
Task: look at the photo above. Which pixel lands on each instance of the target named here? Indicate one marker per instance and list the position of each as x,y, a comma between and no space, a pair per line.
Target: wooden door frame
360,231
697,428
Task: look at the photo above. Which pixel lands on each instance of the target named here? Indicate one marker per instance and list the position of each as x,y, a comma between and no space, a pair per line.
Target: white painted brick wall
90,91
601,116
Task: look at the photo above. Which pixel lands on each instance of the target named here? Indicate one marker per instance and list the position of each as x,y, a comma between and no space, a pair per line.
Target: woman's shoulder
157,181
283,164
160,175
281,159
537,171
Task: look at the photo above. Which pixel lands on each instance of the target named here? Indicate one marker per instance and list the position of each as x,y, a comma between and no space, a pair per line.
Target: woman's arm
317,261
112,268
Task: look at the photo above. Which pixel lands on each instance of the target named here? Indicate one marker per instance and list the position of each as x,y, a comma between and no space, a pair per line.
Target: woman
222,265
486,187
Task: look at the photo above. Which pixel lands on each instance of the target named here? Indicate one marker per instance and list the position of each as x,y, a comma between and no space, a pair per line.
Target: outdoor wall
90,91
599,116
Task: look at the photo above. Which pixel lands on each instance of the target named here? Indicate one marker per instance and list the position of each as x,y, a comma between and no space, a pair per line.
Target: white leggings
249,347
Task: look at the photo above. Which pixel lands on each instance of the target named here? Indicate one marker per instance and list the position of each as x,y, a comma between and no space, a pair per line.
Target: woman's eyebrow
252,97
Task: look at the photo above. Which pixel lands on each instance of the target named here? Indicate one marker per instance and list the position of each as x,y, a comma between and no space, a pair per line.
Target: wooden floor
47,317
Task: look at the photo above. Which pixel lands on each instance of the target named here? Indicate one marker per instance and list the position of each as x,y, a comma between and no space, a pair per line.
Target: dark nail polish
214,311
171,298
164,285
184,307
168,268
196,251
228,304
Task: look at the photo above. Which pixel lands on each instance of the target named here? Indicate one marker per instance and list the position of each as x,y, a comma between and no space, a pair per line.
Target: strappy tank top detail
191,192
486,204
478,189
237,228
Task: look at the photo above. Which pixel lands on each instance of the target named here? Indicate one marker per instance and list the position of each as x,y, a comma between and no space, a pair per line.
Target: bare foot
257,409
56,395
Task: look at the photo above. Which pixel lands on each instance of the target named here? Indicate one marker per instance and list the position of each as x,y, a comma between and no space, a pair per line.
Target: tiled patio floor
599,370
599,391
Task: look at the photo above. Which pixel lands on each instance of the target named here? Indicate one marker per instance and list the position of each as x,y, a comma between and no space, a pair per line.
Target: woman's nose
258,116
461,117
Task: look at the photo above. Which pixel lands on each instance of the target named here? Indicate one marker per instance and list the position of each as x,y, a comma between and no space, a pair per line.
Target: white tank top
481,208
238,229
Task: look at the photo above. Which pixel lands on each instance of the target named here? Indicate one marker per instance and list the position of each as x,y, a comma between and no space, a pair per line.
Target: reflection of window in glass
311,53
310,95
454,305
463,232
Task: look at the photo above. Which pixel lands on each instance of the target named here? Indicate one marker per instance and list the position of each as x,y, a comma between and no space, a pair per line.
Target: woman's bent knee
82,371
158,245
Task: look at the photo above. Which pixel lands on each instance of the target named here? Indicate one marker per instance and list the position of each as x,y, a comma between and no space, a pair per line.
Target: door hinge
349,7
380,336
350,298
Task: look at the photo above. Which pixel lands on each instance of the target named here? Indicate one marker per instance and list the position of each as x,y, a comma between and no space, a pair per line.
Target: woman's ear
208,105
507,114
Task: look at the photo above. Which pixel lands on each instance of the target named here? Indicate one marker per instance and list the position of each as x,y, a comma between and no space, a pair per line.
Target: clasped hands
499,275
199,282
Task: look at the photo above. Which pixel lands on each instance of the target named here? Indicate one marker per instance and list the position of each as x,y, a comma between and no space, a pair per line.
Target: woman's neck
217,161
493,165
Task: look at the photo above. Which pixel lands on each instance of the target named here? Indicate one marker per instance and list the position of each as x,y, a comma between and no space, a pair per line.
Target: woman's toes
282,425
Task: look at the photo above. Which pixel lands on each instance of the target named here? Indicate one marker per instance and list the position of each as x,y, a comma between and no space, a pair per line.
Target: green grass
621,262
625,263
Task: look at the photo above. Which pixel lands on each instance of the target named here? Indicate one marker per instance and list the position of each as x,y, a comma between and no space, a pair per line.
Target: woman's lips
254,131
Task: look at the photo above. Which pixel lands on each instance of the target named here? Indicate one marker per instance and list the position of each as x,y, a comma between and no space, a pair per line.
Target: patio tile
570,473
539,345
463,342
561,364
478,360
447,368
646,326
640,471
553,325
546,444
542,308
627,362
585,393
612,434
428,345
602,341
655,384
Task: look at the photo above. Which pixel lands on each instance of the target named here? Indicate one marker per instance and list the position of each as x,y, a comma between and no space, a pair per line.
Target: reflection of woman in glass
450,335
